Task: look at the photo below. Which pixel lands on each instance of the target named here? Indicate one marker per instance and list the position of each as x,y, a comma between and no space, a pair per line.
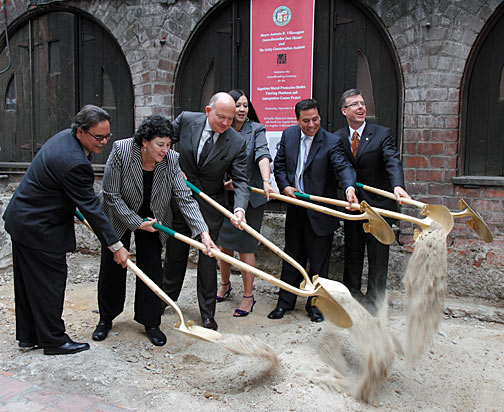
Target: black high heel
240,313
226,295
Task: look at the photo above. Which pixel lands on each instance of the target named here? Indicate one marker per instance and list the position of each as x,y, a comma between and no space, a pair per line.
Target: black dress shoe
277,313
315,314
157,337
67,348
27,344
102,330
210,323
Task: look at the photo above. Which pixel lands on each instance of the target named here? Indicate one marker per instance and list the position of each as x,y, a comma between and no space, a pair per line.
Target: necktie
301,163
90,158
207,148
355,143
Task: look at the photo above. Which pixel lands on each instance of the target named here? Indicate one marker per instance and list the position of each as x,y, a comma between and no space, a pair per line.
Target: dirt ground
462,370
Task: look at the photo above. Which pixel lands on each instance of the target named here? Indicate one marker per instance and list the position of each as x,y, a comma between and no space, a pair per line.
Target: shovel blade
476,222
377,226
198,332
329,293
440,214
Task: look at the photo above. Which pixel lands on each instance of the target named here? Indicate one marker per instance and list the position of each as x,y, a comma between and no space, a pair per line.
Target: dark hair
348,93
89,116
153,126
236,94
306,104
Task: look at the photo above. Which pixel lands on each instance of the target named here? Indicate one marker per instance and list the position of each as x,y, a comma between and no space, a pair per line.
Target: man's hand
289,191
351,197
208,242
147,225
121,256
237,218
268,188
400,192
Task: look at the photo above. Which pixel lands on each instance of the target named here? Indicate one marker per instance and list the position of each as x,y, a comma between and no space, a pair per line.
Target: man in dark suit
208,149
311,160
40,220
371,150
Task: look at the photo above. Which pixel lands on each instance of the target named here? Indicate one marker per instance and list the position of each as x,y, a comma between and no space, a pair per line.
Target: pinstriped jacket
123,190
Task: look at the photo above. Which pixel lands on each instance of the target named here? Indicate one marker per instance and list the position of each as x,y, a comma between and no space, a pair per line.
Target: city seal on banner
282,15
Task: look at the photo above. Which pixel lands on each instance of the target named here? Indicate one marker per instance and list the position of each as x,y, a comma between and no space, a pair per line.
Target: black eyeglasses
355,104
100,137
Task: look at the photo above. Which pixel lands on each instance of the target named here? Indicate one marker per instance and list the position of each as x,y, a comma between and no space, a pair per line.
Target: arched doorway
61,60
351,50
482,120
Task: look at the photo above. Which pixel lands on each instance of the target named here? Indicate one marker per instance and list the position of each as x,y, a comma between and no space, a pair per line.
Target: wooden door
60,62
350,50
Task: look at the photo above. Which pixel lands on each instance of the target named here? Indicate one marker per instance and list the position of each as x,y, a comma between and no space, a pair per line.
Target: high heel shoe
226,295
240,313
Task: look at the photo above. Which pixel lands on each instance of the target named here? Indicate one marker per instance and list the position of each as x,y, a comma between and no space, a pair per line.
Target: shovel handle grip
390,195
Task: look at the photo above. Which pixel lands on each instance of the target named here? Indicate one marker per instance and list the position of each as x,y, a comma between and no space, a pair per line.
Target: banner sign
281,59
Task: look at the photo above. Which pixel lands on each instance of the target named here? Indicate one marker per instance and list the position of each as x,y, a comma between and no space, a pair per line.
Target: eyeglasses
355,104
100,137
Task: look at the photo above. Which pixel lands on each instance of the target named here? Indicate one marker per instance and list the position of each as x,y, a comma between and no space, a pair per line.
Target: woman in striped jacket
141,176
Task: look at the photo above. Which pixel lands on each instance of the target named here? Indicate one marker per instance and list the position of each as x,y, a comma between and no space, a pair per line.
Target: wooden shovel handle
390,195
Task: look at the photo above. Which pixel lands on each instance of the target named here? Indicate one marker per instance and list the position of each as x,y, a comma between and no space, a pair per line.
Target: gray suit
228,155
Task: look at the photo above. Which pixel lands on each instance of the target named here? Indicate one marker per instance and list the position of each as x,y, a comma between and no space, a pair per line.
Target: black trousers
112,280
356,241
175,266
39,291
302,244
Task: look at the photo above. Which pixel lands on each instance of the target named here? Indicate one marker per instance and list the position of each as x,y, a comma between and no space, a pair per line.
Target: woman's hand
237,218
268,188
208,242
147,225
228,185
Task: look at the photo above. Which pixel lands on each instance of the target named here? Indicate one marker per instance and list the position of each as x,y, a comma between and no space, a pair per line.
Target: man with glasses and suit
371,150
40,220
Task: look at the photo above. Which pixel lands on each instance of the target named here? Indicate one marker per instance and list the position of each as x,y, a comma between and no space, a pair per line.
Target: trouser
356,241
112,280
39,291
175,265
302,244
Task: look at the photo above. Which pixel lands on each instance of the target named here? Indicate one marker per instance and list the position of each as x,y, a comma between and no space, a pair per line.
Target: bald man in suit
208,148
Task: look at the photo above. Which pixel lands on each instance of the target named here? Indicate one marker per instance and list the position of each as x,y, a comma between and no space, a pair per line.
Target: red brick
410,148
409,175
443,162
445,135
429,175
468,192
42,396
494,259
12,388
451,122
162,88
443,189
410,121
448,175
494,192
146,89
76,403
415,135
166,65
415,161
451,148
486,205
430,148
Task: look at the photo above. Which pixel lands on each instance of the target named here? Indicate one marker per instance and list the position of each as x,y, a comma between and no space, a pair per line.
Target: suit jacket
325,167
40,214
227,155
257,149
377,164
123,190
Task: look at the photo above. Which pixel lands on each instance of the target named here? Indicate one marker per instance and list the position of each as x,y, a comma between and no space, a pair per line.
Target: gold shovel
325,295
376,225
188,328
307,285
424,223
442,214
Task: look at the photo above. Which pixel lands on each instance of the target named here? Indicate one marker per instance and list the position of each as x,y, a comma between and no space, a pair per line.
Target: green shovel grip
79,215
192,187
303,196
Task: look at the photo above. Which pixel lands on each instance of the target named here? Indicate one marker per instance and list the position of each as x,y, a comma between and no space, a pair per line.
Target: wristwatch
270,180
